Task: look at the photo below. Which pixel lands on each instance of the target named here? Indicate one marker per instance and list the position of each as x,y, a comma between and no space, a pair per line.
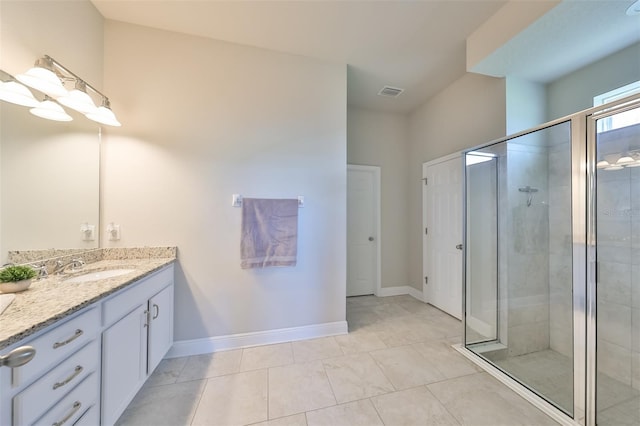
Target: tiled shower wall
560,259
527,244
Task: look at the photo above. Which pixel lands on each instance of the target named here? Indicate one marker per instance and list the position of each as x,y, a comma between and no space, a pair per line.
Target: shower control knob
459,246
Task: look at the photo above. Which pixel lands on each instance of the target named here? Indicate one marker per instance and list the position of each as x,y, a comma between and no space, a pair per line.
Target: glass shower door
518,278
618,268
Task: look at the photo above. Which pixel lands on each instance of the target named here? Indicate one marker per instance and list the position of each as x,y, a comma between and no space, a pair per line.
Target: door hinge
426,280
426,231
425,181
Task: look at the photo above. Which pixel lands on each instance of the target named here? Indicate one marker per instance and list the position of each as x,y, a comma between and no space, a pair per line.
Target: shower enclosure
552,263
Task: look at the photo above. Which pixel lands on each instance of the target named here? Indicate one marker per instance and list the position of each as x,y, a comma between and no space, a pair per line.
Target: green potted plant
16,278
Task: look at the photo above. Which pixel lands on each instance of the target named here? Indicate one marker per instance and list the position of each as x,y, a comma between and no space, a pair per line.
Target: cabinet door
161,327
124,350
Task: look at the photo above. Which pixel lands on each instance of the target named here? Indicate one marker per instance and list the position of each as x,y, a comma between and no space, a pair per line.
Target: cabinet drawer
128,298
58,344
29,404
74,405
91,417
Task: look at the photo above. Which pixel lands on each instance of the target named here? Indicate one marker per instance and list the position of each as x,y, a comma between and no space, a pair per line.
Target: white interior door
363,189
442,219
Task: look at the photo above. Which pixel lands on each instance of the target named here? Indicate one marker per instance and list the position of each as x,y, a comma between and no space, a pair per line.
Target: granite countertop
49,300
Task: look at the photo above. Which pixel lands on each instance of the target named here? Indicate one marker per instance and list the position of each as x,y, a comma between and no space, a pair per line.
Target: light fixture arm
5,76
57,64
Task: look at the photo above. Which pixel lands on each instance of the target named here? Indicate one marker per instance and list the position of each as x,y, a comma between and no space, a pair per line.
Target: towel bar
236,200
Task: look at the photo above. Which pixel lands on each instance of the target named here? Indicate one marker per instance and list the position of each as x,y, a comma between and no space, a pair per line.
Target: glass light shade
625,160
602,164
51,111
16,93
43,80
104,115
78,100
636,163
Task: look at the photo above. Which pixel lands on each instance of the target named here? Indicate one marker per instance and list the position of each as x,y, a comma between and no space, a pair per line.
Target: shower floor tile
626,413
551,375
547,372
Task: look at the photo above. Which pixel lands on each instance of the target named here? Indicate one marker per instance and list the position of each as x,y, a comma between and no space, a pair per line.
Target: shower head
529,190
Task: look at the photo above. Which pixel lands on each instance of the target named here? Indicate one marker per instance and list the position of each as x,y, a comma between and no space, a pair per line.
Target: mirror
49,182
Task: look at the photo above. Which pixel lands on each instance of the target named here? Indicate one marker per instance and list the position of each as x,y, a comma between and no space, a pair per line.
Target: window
623,119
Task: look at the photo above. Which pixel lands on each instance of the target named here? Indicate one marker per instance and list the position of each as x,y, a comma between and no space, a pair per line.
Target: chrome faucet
42,270
73,263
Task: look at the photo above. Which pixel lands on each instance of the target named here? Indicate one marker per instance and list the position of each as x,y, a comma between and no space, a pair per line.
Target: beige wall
381,139
470,112
202,120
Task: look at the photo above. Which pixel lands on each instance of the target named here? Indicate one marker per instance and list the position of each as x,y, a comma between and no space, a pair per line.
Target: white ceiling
415,45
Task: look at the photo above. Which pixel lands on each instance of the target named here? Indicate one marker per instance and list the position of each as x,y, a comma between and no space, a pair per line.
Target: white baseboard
417,294
400,290
245,340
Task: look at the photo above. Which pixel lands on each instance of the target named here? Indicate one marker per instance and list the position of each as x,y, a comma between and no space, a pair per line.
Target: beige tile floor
395,367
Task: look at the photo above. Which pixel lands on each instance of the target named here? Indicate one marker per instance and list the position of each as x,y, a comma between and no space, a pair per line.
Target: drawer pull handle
157,311
77,371
17,357
77,334
76,407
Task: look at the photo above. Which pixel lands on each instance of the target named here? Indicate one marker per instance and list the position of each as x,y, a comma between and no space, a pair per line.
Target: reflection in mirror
49,182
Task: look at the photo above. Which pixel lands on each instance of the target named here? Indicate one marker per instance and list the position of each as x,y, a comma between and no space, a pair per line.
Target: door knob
459,246
370,238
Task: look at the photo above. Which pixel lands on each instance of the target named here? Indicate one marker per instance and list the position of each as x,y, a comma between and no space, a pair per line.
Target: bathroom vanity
96,340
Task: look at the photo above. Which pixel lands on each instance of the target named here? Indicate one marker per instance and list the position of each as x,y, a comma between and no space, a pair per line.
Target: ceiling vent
392,92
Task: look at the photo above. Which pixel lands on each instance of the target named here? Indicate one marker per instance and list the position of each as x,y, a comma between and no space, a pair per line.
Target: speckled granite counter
50,300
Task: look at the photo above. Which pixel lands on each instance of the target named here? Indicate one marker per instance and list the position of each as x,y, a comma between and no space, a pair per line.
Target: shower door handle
459,246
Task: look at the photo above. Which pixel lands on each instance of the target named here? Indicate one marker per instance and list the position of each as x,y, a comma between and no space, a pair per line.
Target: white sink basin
98,275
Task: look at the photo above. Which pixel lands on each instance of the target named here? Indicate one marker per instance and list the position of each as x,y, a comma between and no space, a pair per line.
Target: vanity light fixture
104,115
78,99
50,110
43,78
49,77
14,92
624,160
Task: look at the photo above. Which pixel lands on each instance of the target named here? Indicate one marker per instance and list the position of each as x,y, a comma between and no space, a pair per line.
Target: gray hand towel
269,233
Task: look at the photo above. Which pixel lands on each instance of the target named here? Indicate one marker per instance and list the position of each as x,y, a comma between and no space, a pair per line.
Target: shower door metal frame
579,235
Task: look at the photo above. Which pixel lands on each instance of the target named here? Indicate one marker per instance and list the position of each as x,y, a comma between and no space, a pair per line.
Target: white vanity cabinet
62,380
88,366
138,333
160,328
